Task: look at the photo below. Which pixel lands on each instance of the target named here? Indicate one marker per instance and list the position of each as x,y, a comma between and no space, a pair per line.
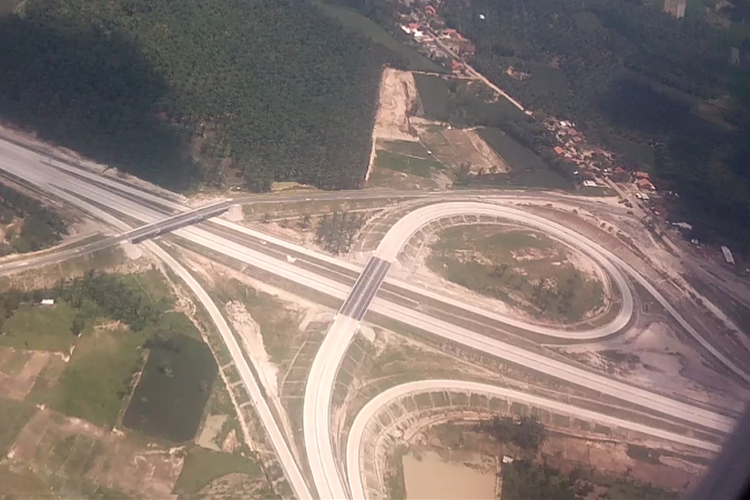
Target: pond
451,475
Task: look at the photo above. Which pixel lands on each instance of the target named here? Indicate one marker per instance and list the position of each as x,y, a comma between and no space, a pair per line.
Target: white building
727,255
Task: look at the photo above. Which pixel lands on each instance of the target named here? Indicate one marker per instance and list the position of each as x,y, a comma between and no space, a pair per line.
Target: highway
356,455
89,195
130,206
286,458
322,376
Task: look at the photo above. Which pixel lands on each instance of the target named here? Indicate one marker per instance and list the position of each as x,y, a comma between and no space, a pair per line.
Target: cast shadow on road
93,93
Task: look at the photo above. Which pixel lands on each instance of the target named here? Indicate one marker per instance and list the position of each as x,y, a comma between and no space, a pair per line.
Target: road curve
355,454
321,379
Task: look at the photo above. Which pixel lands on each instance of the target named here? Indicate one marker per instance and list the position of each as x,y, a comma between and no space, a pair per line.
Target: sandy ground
211,429
466,146
654,357
17,384
252,341
398,94
69,448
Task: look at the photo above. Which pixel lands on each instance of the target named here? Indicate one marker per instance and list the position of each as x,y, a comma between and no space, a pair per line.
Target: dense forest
183,92
656,90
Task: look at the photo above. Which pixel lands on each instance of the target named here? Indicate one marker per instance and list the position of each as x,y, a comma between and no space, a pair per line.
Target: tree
531,433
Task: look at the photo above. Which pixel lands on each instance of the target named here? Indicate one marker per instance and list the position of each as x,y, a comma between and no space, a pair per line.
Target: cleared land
14,415
524,269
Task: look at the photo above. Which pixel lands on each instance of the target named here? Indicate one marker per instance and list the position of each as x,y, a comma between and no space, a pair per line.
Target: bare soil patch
398,96
20,370
654,357
57,447
455,147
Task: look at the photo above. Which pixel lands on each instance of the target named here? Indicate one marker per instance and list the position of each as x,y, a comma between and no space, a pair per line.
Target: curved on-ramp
355,454
318,392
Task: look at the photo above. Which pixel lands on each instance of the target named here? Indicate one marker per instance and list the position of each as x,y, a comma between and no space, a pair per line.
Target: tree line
288,94
92,295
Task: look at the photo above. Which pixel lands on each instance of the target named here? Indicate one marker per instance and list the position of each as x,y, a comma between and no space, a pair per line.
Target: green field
353,21
414,166
98,376
434,93
174,387
40,328
407,148
13,417
462,104
485,259
528,169
202,466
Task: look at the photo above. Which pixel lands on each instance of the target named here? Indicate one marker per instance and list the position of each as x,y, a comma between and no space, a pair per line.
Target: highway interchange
107,199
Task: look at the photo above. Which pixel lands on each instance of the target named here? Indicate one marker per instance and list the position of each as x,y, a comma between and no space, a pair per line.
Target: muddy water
430,475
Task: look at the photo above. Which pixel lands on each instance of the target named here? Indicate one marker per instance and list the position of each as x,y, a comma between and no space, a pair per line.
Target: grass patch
523,269
153,285
527,169
414,166
356,22
407,148
174,387
13,417
15,363
434,93
40,328
98,376
202,466
462,104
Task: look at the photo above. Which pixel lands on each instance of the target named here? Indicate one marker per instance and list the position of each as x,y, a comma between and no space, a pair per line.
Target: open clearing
98,375
456,147
40,328
21,371
653,356
203,466
525,269
83,457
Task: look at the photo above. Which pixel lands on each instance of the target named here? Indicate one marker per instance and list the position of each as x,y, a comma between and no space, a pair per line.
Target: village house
644,185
